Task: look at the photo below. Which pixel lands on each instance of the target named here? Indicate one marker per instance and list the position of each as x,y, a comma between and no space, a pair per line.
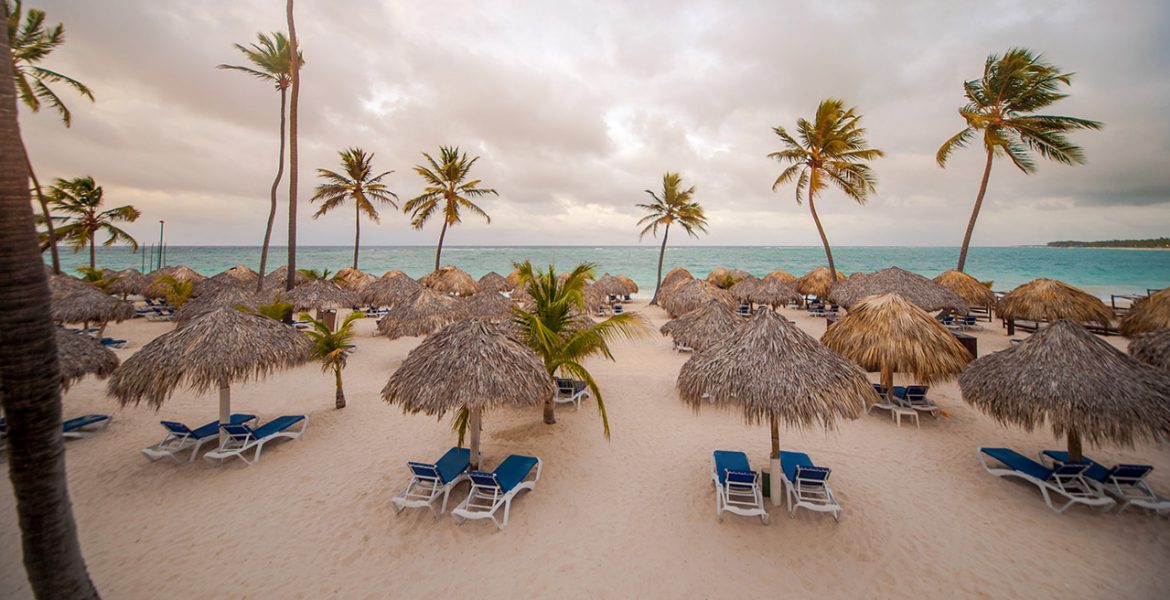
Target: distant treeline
1154,243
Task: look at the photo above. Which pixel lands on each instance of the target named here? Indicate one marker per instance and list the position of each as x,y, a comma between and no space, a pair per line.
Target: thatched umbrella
513,279
221,296
423,313
278,278
719,276
920,291
608,285
967,287
889,334
1052,300
391,290
81,355
1080,385
780,275
772,292
1152,348
744,287
487,304
352,279
70,303
673,276
450,280
222,347
1148,314
241,276
179,273
702,326
470,365
817,282
394,273
320,295
693,294
127,282
494,282
631,286
774,373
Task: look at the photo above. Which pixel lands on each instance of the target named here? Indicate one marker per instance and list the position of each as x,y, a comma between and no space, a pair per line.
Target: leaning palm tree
830,150
30,44
448,189
673,206
272,61
558,330
332,348
31,374
999,104
357,182
80,200
293,164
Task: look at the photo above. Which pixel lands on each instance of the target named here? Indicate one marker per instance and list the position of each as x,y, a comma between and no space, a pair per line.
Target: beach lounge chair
1065,481
429,481
571,391
892,404
180,438
490,491
882,401
601,311
681,347
914,396
626,298
84,426
737,486
807,485
1126,483
744,310
113,343
617,309
242,438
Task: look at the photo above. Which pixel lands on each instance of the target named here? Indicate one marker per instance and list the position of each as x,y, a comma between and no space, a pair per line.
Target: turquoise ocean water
1098,271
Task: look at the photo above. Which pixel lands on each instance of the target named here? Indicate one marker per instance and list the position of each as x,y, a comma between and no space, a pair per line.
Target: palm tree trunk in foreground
290,281
30,372
439,250
975,213
824,240
49,228
661,254
340,400
272,209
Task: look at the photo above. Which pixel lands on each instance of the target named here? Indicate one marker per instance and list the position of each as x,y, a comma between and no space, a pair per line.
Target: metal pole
161,224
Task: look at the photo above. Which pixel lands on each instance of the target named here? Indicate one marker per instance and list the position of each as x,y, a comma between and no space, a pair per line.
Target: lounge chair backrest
812,475
1068,470
1130,473
177,428
485,480
238,431
915,392
565,385
880,389
424,470
740,477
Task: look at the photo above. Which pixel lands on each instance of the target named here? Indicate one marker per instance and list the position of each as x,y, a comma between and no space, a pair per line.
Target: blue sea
1096,270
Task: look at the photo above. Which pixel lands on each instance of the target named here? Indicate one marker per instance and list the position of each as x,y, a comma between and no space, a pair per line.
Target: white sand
634,517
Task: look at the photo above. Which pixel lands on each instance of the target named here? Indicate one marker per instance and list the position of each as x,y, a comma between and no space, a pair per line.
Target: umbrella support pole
225,408
473,427
774,482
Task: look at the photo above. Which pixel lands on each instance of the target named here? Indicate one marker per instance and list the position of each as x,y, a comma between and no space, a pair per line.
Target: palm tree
272,60
30,374
80,199
30,44
999,104
293,106
558,331
175,291
332,347
831,150
314,274
447,184
358,184
674,205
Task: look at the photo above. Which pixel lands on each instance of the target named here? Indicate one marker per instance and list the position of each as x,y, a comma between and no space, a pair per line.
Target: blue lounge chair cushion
916,391
790,460
730,460
513,470
1018,462
207,430
275,426
900,391
1099,472
79,422
454,462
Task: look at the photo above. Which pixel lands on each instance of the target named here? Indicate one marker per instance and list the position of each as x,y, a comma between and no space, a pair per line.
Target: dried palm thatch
61,286
1148,314
488,304
450,280
391,290
394,273
693,294
967,287
279,277
721,276
608,285
1052,300
469,365
127,282
744,287
594,298
781,275
352,279
674,276
772,292
889,334
70,303
241,276
513,279
423,313
1080,385
699,328
817,282
494,282
221,296
82,355
520,297
157,289
920,291
631,286
319,294
1152,348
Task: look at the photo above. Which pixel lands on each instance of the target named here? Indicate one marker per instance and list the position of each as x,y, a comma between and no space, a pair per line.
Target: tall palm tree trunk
31,376
661,254
340,400
975,212
290,281
272,209
357,231
439,250
824,240
92,252
49,228
550,415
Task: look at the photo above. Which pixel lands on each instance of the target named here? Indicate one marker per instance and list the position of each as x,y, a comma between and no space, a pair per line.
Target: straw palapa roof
920,291
223,346
718,276
70,303
631,286
780,275
319,294
392,289
279,277
470,364
423,313
1074,381
1052,300
487,304
816,282
744,287
889,331
352,279
607,285
81,355
676,275
240,275
704,325
772,292
1148,314
180,273
693,294
772,369
967,287
127,282
450,280
494,282
222,296
1152,348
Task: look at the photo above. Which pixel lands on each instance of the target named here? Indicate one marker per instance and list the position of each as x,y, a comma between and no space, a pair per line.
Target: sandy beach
631,517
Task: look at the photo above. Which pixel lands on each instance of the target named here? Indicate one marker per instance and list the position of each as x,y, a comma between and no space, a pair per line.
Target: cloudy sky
575,108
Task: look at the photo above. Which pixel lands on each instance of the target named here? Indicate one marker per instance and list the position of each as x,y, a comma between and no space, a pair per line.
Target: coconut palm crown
830,150
80,200
449,189
358,183
999,105
675,205
332,348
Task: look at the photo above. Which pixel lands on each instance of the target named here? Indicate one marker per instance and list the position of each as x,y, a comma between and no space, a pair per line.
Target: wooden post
774,464
473,427
225,408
